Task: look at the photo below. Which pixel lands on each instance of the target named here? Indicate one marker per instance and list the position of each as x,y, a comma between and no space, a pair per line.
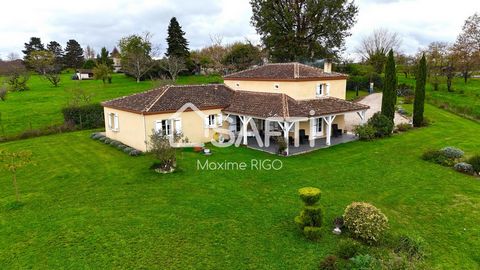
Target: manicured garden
41,105
89,205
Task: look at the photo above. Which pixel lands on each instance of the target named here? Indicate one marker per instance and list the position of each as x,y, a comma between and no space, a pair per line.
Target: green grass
352,95
465,100
41,105
88,205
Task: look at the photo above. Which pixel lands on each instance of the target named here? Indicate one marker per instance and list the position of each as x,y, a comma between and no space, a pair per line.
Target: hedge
85,117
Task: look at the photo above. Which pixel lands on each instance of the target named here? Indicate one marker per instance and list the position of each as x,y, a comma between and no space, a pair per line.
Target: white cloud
102,23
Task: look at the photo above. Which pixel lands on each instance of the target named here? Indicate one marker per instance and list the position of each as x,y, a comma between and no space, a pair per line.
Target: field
465,100
41,105
89,206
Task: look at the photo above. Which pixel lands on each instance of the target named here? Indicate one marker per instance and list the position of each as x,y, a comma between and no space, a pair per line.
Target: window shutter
109,116
318,90
158,126
314,128
168,127
115,121
328,89
205,121
178,125
220,119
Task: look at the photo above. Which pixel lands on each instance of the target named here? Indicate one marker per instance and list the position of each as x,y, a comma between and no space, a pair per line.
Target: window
319,91
318,125
323,89
163,127
211,120
113,121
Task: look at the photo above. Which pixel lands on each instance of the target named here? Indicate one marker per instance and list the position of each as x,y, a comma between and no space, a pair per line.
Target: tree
102,72
405,64
437,59
419,102
136,55
177,43
242,56
104,58
41,61
35,44
467,47
173,65
375,47
389,98
162,150
12,162
89,53
56,49
53,75
294,30
73,54
17,78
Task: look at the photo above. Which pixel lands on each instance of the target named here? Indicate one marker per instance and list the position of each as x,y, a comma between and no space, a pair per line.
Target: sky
101,23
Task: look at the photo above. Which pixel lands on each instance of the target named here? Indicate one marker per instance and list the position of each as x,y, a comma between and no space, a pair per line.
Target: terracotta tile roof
284,71
266,105
171,98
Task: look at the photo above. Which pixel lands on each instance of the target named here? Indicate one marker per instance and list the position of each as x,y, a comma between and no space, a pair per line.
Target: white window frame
113,121
212,120
164,127
320,90
318,129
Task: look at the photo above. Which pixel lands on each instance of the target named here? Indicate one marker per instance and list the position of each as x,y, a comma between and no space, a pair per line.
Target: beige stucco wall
295,89
130,128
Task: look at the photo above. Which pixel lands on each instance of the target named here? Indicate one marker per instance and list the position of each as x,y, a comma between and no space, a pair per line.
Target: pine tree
34,45
177,43
389,98
56,49
419,104
73,54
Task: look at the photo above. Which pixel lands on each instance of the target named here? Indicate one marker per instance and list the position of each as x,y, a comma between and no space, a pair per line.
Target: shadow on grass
14,206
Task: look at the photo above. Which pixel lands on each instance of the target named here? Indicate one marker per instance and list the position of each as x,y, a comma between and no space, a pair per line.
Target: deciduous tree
136,55
375,47
303,30
242,56
12,162
35,44
41,61
466,49
102,72
173,65
419,103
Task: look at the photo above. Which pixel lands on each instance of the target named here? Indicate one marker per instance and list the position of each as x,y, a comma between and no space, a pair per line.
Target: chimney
327,66
296,72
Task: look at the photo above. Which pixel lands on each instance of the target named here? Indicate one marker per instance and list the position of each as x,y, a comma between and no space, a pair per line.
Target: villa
304,104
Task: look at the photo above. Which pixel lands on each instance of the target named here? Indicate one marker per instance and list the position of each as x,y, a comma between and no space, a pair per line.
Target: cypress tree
419,103
389,98
177,43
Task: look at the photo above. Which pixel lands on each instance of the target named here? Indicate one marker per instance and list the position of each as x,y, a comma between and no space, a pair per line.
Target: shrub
349,248
107,141
413,247
102,139
362,262
310,219
365,221
475,162
365,132
404,90
128,150
135,153
329,263
408,100
3,93
164,152
404,127
464,168
85,117
121,146
452,152
114,143
309,195
382,125
439,157
312,232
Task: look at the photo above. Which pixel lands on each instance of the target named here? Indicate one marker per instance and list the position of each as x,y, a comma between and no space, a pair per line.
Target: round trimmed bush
312,232
365,132
127,150
102,139
310,195
107,141
349,248
382,125
121,146
475,162
452,152
464,168
311,216
365,221
439,157
135,153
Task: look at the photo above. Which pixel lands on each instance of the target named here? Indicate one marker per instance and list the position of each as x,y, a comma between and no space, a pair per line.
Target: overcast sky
103,22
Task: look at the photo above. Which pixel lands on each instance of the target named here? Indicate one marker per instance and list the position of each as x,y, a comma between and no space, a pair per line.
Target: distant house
300,102
117,66
83,74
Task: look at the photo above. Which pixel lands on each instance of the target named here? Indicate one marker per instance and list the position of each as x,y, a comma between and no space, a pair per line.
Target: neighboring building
117,65
84,74
302,102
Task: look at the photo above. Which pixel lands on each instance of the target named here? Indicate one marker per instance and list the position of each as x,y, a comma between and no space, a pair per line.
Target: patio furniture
336,132
303,138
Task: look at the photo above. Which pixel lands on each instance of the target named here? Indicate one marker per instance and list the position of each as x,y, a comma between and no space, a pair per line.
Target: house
84,74
304,104
117,65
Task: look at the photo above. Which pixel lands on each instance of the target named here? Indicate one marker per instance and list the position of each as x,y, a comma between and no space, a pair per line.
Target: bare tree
438,58
467,47
374,48
13,56
173,65
137,54
89,53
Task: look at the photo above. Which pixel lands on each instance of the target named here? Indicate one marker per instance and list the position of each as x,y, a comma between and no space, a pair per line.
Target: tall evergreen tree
419,103
73,54
177,43
104,58
34,45
389,98
56,49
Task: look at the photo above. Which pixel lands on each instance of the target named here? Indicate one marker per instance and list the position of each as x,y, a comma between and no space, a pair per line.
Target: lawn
464,100
41,105
89,206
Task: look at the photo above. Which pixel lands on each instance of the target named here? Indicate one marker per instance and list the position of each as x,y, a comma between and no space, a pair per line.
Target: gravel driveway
375,103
